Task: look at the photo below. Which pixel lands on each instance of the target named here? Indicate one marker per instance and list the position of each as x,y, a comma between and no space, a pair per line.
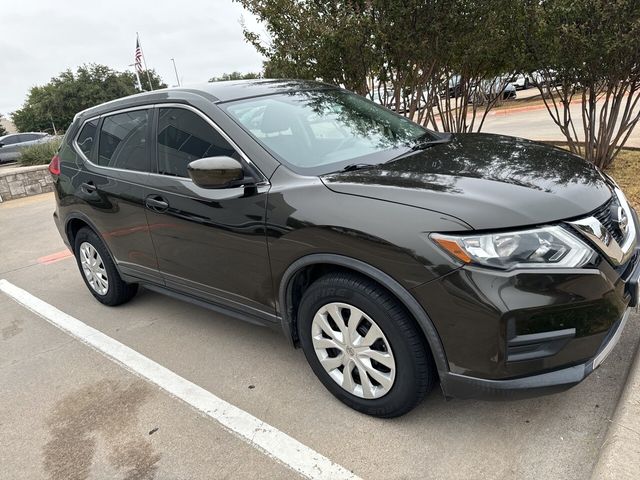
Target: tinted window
11,139
29,137
184,136
123,141
87,136
318,130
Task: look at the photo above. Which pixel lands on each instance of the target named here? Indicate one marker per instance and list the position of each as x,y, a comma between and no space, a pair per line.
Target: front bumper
526,333
462,386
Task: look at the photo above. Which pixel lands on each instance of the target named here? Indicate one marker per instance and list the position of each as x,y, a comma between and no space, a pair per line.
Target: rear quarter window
87,136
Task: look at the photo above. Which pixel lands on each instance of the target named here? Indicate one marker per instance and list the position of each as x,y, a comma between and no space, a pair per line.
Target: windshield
321,131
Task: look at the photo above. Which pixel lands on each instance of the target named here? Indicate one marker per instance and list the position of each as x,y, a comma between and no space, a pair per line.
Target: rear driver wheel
99,271
363,346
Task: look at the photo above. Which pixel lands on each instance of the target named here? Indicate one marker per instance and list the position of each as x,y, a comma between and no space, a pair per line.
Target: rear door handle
89,187
156,203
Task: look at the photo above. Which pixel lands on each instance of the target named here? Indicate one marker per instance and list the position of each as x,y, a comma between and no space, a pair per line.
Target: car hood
487,181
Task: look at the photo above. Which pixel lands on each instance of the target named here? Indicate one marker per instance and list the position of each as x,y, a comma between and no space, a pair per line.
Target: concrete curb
619,457
509,111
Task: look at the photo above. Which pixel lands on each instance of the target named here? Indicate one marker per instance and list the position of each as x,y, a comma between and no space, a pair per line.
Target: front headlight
537,248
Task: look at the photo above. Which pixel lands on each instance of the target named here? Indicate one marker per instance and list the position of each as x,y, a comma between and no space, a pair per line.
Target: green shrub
40,153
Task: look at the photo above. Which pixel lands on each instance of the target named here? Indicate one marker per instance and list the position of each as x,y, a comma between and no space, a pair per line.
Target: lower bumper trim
612,341
461,386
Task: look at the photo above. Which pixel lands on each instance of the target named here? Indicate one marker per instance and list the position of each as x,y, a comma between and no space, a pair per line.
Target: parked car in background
11,145
487,90
480,92
395,256
521,81
454,87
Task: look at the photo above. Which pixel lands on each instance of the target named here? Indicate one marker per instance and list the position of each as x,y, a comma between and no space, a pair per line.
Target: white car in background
11,145
488,90
521,81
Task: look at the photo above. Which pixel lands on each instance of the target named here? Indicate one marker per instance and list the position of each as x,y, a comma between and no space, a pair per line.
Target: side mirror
1,144
216,172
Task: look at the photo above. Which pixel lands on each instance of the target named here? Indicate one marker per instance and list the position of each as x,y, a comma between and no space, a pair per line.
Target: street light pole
175,70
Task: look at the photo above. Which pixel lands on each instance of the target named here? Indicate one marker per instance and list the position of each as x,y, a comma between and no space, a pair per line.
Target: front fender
401,293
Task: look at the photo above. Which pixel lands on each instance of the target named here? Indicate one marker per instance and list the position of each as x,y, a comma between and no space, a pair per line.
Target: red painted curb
54,257
507,111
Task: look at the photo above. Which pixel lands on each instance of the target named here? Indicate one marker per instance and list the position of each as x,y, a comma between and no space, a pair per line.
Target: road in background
65,408
537,124
534,121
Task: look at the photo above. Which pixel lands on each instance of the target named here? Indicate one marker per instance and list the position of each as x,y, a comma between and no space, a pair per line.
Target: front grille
605,217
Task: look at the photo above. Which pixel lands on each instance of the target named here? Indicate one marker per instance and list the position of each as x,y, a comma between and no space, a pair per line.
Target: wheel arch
304,265
74,223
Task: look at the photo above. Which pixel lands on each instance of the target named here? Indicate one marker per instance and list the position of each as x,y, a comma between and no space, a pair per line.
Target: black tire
118,292
415,372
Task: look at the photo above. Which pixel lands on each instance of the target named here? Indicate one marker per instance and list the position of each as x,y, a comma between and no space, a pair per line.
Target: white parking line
270,440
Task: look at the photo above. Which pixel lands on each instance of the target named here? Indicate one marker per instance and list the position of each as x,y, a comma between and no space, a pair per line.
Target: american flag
138,57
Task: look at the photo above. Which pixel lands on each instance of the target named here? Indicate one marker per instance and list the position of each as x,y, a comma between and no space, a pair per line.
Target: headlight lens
537,248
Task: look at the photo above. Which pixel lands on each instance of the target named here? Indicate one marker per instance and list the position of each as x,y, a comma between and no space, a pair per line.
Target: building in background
8,125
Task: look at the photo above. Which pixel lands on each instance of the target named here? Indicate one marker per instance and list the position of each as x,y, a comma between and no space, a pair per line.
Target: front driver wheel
363,345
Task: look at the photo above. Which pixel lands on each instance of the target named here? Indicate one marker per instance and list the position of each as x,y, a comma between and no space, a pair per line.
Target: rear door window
30,137
184,136
123,141
11,139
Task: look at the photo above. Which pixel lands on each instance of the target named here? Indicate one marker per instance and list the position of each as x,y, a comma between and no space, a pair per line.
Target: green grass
40,153
626,172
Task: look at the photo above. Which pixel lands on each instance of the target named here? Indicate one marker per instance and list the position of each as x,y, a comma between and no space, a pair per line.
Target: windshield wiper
420,143
423,145
357,166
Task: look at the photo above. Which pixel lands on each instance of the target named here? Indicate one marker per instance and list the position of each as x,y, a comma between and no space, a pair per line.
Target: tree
3,131
477,48
588,53
402,54
236,76
52,106
308,40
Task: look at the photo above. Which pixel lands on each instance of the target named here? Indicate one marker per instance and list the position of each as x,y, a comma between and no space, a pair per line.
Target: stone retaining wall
24,181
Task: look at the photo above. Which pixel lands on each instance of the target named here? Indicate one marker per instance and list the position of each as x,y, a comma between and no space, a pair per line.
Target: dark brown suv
393,255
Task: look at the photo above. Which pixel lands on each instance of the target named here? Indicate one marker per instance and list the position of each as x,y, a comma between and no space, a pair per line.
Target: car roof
238,89
215,92
22,133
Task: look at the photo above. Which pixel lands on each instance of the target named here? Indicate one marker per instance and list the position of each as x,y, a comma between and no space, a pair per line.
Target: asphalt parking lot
69,412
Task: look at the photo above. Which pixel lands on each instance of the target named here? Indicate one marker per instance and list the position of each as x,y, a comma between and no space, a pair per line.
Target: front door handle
156,203
89,187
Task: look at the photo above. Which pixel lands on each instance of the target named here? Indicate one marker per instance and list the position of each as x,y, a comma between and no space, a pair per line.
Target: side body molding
410,303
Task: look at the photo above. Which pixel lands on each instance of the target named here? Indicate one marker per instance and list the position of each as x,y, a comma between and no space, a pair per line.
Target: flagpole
144,61
135,70
175,70
138,78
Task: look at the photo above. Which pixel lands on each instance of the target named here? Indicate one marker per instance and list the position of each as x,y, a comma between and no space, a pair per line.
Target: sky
41,38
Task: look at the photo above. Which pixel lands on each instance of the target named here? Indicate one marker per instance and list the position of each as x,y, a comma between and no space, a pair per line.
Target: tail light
54,166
